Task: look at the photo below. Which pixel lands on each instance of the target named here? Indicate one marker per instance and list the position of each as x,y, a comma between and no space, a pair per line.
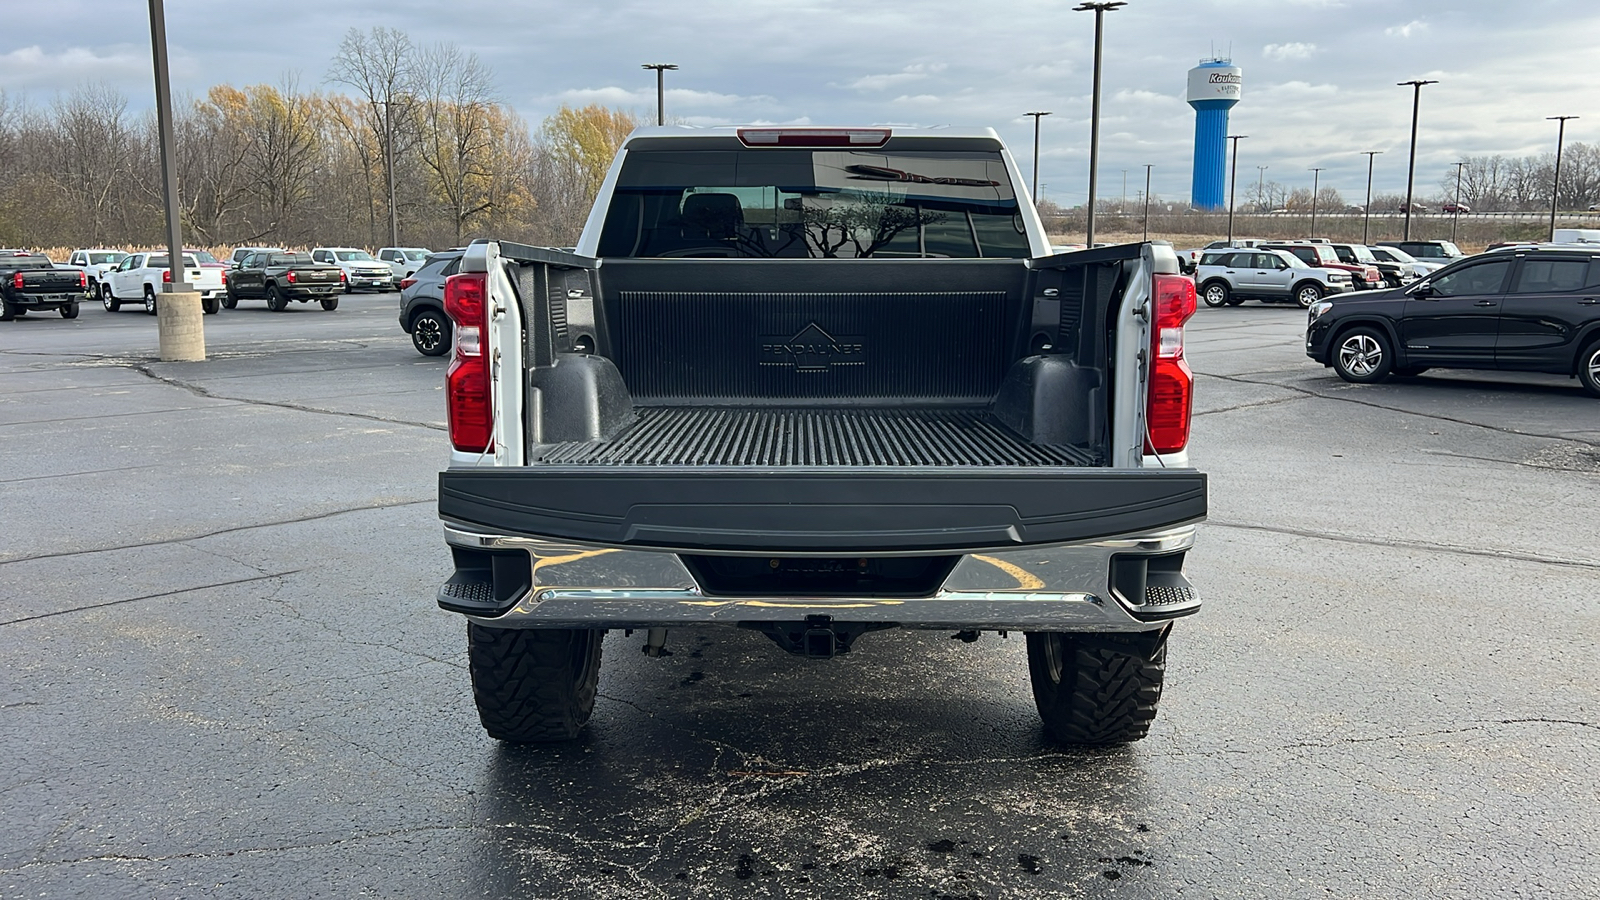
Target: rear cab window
789,203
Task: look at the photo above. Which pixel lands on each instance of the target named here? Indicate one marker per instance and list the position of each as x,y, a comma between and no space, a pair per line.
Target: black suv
1534,309
422,312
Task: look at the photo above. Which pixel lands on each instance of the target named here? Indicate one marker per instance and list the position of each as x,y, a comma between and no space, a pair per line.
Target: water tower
1214,87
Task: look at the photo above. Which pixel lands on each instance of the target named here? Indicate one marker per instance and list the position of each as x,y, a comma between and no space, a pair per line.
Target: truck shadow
913,768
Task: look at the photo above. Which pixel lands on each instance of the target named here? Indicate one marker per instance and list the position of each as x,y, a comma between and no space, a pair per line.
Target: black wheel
1235,301
149,301
430,333
108,299
230,300
330,303
1216,294
210,305
8,311
1589,368
1363,355
533,685
1097,688
1307,293
276,301
70,311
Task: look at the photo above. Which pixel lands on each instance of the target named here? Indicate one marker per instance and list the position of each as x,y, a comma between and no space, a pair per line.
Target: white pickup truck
95,264
140,276
818,382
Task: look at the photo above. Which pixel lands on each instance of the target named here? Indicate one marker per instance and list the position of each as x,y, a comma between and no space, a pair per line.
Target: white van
1575,236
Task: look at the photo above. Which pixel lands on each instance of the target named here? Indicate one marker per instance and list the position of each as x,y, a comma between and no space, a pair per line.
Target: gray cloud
1320,88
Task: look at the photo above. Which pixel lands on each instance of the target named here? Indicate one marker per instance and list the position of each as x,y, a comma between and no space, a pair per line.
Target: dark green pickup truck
279,276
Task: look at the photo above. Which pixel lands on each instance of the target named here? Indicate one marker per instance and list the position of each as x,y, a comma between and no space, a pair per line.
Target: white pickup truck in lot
95,264
139,278
817,383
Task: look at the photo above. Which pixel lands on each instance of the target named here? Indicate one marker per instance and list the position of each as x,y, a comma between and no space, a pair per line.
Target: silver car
1230,277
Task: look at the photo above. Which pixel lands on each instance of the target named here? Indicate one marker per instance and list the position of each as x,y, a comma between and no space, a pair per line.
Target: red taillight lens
407,282
1171,382
16,280
224,276
467,399
166,276
343,275
289,276
83,279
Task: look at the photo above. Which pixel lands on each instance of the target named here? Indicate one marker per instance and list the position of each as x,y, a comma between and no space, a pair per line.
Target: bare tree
378,66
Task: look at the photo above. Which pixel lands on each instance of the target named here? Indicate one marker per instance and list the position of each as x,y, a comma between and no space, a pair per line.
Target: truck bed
712,436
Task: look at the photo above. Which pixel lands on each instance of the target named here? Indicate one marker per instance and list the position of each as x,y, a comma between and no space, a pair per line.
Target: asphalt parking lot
224,674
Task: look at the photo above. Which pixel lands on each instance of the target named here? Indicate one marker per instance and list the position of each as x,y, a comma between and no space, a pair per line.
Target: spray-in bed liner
708,436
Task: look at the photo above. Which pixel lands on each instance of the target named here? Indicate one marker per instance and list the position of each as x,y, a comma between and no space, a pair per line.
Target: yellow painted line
572,557
1025,579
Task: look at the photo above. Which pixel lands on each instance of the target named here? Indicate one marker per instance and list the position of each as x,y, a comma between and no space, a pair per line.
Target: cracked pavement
224,674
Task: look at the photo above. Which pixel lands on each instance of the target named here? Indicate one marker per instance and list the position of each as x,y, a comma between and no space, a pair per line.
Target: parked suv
1393,274
1428,251
1534,309
1417,268
1230,277
422,312
1363,276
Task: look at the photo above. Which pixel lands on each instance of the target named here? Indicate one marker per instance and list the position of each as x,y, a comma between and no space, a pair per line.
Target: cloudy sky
1319,75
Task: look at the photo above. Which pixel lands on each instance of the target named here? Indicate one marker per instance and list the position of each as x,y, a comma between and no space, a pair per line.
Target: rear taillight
16,281
83,279
1171,383
166,276
343,276
467,400
224,276
289,276
407,282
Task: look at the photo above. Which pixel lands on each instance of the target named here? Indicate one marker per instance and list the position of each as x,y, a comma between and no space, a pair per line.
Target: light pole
1366,211
1457,220
1122,209
1100,9
1036,117
1233,181
181,327
1316,182
1147,168
1555,185
661,88
388,165
1261,188
1411,168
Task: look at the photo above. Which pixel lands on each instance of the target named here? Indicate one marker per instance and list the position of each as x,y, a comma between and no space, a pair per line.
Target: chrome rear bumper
1116,585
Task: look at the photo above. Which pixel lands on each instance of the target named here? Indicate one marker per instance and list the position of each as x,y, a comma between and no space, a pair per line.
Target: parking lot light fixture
1316,184
1555,183
1366,211
1233,181
1100,9
1456,220
1147,168
1036,117
182,327
661,88
1411,168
